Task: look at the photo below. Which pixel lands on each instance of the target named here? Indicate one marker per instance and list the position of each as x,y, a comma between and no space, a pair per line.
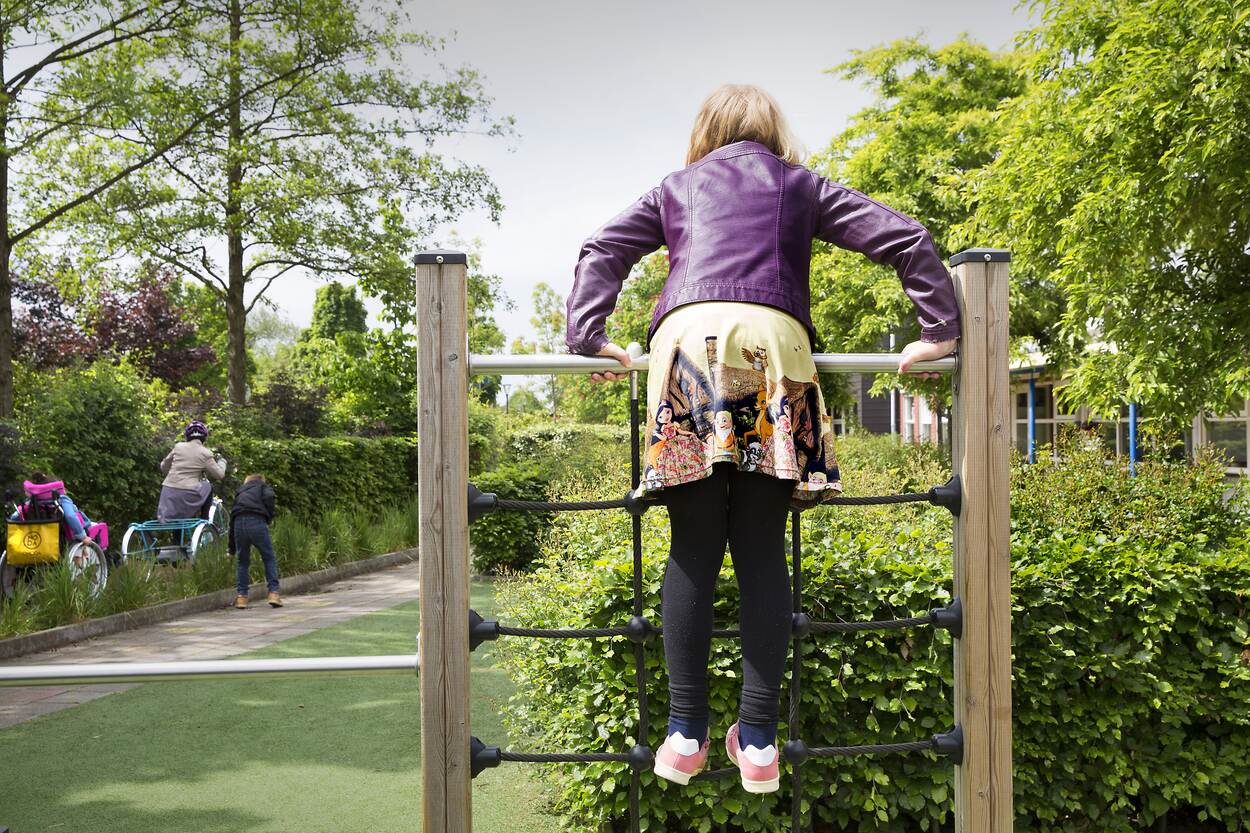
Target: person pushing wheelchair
189,468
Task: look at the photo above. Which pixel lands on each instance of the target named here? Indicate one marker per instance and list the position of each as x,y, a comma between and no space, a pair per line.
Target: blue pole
1132,439
1032,420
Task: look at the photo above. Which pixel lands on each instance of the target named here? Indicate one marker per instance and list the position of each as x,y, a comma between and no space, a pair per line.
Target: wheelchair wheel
86,561
130,546
217,516
205,535
8,577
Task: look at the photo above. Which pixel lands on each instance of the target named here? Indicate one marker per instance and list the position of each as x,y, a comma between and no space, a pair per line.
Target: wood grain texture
982,552
442,380
998,538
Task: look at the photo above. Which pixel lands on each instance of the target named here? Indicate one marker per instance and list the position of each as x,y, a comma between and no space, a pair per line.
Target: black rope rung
948,744
483,503
481,630
564,757
558,506
947,495
483,757
715,774
639,630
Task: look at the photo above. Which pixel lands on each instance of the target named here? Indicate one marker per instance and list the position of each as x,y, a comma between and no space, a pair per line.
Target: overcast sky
604,95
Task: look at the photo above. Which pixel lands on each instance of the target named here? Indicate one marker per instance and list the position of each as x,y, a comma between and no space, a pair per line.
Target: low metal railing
147,672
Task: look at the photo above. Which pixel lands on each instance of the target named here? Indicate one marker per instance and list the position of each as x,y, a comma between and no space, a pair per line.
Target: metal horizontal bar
536,363
146,672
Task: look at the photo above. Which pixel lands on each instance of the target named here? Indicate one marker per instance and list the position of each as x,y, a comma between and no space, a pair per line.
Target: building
1038,415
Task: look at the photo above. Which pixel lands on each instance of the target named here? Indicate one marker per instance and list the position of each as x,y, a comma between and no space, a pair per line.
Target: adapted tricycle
177,540
40,536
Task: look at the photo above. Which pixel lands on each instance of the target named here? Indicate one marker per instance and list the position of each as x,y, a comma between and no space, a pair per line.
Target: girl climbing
733,317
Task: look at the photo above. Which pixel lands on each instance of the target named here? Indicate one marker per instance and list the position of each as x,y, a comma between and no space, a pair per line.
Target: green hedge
507,542
563,450
311,475
1132,663
1131,696
95,428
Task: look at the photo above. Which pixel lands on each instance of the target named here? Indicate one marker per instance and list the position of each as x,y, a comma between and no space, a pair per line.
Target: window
1230,435
1044,419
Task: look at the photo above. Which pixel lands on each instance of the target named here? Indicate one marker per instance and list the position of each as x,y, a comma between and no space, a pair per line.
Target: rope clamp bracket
481,503
949,495
481,630
483,757
950,618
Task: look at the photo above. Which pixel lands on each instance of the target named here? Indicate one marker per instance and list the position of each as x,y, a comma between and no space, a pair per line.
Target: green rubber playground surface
299,755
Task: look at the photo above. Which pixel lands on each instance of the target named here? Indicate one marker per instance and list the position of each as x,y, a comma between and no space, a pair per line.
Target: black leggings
748,510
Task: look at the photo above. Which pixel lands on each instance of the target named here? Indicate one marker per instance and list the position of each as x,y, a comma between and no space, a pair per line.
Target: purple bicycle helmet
195,430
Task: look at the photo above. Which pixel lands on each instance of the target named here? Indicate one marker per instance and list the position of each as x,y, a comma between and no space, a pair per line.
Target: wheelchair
175,541
42,539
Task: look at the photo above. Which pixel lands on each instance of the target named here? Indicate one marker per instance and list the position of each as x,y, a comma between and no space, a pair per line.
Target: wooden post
442,481
980,435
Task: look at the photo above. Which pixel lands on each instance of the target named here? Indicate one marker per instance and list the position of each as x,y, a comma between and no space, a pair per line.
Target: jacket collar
738,149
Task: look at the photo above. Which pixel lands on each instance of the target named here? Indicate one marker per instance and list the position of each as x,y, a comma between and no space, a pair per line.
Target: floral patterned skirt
735,382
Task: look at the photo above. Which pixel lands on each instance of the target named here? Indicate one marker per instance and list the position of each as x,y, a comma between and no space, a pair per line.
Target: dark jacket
255,498
739,225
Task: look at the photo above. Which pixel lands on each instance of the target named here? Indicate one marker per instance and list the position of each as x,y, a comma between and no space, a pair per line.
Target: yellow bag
34,542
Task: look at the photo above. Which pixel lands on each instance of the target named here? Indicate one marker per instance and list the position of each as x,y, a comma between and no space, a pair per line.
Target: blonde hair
737,113
252,478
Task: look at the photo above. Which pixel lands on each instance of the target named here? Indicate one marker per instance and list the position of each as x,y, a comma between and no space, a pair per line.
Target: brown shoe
240,602
275,600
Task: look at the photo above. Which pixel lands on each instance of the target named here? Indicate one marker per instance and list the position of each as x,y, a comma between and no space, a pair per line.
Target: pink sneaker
758,767
680,758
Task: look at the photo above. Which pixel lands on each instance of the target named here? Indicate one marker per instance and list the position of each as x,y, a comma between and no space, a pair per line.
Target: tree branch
65,52
146,160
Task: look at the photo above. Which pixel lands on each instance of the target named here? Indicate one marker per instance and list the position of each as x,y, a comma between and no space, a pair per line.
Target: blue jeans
252,531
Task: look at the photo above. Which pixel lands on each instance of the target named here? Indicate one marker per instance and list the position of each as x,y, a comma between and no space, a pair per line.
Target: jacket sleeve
168,461
212,468
853,221
268,497
605,261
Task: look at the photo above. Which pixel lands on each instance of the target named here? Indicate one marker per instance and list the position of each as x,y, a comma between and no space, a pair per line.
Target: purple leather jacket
739,225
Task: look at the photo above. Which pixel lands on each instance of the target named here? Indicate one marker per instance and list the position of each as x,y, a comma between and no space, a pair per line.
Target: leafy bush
1132,659
1167,500
298,407
483,436
509,541
562,449
94,427
310,475
10,468
1132,670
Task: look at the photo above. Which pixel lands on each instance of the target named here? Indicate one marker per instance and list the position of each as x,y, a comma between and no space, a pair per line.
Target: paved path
213,635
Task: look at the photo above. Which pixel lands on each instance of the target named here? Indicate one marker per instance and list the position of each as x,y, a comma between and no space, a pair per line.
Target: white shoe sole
675,775
761,786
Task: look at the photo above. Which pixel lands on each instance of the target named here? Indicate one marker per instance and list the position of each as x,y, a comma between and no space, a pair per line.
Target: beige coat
188,462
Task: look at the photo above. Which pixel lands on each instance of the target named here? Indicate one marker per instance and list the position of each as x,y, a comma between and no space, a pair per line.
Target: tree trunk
236,311
6,317
6,287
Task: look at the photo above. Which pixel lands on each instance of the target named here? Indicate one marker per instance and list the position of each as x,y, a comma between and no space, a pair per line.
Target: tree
588,401
370,379
337,309
84,104
145,324
324,163
932,124
1123,179
486,297
548,331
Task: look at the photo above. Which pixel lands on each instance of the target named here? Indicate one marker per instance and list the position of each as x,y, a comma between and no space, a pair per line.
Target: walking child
250,518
